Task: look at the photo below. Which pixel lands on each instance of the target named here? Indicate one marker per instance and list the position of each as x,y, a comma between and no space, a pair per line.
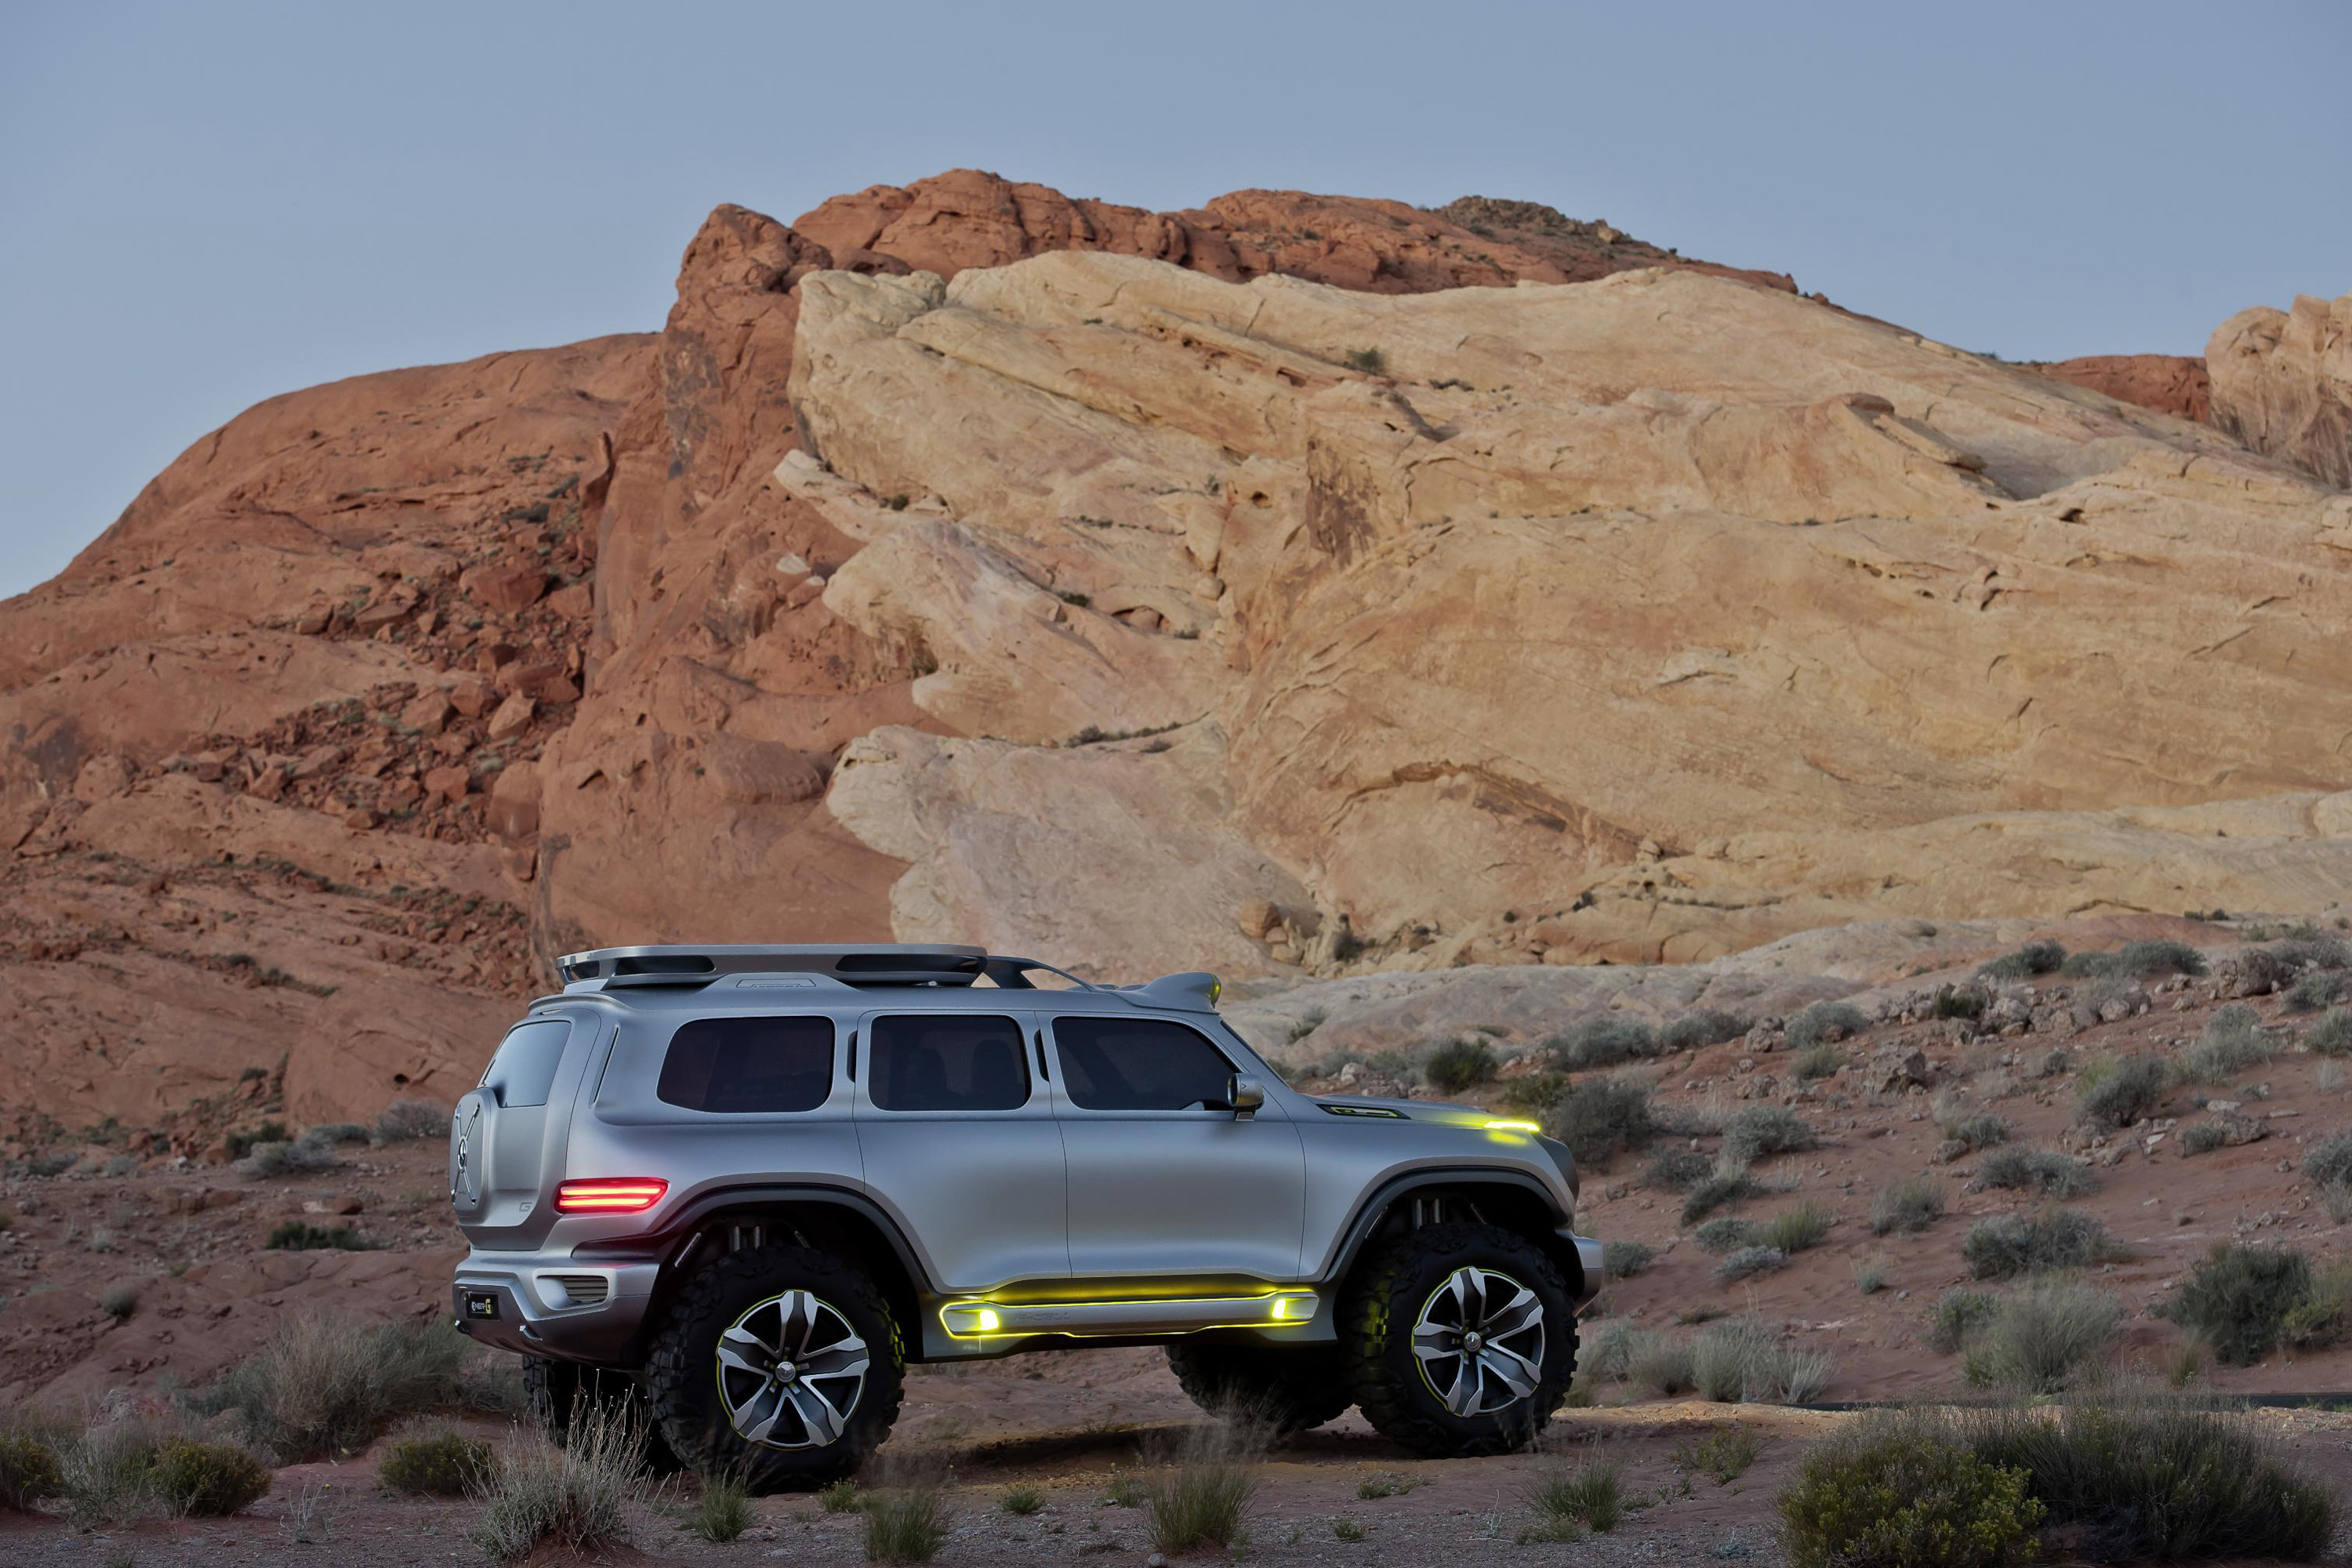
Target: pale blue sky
202,206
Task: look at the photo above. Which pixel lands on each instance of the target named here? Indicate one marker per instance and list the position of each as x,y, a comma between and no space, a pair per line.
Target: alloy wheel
790,1372
1479,1342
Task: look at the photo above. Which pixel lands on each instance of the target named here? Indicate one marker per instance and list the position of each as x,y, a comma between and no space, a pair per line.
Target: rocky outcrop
2176,385
2282,383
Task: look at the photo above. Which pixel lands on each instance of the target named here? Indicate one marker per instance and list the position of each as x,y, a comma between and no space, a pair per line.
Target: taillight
614,1195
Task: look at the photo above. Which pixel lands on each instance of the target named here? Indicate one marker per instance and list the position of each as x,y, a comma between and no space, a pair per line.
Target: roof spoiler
1195,991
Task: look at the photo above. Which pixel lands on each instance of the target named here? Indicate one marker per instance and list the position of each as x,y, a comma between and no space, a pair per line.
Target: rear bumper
1587,1258
549,1304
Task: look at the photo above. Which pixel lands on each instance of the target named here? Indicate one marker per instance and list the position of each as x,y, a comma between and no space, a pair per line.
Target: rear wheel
1464,1340
1294,1388
780,1364
563,1394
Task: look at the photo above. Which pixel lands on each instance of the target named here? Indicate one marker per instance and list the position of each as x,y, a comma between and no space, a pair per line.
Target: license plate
481,1304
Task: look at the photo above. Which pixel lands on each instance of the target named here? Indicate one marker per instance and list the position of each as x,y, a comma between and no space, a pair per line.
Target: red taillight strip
624,1194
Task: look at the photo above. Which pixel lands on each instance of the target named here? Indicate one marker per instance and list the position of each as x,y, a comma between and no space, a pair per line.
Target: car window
524,1070
748,1064
934,1062
1138,1064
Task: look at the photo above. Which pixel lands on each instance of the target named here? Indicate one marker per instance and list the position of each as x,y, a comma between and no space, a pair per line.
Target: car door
960,1144
1159,1184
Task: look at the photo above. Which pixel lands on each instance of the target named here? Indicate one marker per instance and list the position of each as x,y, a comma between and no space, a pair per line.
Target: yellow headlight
1498,1124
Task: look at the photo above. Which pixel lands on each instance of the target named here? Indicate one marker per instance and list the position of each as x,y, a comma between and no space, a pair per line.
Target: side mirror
1243,1096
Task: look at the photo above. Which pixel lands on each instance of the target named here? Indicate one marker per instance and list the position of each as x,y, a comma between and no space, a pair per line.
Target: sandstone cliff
2282,383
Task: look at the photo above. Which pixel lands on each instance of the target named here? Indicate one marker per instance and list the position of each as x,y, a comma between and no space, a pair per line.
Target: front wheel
1463,1341
779,1365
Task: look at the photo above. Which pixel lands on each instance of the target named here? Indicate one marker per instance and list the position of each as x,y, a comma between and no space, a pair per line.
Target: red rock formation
2169,383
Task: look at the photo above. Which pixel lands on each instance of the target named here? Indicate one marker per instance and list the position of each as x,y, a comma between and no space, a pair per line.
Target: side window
1138,1064
742,1065
524,1070
936,1062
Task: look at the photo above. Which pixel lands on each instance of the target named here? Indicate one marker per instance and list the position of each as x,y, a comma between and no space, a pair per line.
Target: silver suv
740,1188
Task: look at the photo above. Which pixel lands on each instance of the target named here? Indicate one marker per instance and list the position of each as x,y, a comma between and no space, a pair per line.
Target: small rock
316,761
513,717
1259,917
449,782
268,784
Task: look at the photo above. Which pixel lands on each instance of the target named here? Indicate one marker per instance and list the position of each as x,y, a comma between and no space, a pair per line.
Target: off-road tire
561,1392
682,1376
1291,1388
1377,1322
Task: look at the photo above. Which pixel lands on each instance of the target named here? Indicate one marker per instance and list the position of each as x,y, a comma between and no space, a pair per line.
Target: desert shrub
2314,991
1605,1042
1870,1273
108,1473
1200,1501
321,1386
2044,1337
1723,1452
209,1481
2006,1246
1983,1131
2310,949
1535,1093
301,1235
574,1496
1959,1315
2204,1138
1822,1061
404,1120
1795,1230
1755,1131
2043,1170
1623,1259
1896,1492
2095,999
1726,1233
1741,1360
1677,1169
1660,1362
1023,1501
2117,1091
2237,1299
298,1158
2332,1035
1907,1204
2323,1316
333,1132
1709,1027
2138,958
841,1497
28,1463
723,1510
1727,1184
2033,958
2131,1480
1825,1021
1592,1494
242,1142
1371,362
445,1463
1458,1065
1598,1117
119,1301
1959,1002
1742,1262
2232,1041
2328,1162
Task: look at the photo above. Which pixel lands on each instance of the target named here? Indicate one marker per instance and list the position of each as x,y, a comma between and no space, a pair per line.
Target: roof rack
853,963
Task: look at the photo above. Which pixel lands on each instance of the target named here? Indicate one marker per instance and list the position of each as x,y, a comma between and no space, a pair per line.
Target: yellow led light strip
971,1320
1500,1124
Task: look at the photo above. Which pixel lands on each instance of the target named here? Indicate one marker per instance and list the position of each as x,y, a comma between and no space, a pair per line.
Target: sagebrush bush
209,1481
1740,1360
300,1157
108,1473
575,1496
2044,1170
2328,1162
1907,1204
1959,1315
1598,1117
2332,1035
1982,1132
1458,1065
1742,1262
1726,1233
1660,1362
1795,1230
1727,1183
2117,1091
1709,1027
1604,1042
2003,1246
1623,1259
2033,958
2322,1317
301,1236
407,1119
1825,1021
2312,991
1677,1169
2044,1338
1823,1061
2237,1299
444,1463
2136,1479
1754,1131
1896,1491
321,1386
2232,1041
2138,958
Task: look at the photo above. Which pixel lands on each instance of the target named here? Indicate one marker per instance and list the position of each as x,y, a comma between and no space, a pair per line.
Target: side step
973,1319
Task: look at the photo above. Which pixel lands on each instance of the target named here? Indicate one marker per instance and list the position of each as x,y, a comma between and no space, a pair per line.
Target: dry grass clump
1742,1262
1825,1021
1756,1131
443,1462
2044,1170
2045,1339
407,1119
1907,1205
1623,1259
2332,1035
1794,1229
723,1510
2115,1092
2143,959
2232,1041
574,1496
322,1385
1200,1500
1606,1041
1741,1361
1565,1498
2006,1246
1730,1183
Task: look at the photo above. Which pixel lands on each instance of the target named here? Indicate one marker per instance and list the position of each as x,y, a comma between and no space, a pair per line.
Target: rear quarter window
525,1067
749,1065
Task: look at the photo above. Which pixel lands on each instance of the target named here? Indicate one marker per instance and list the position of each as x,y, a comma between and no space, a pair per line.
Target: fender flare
1374,1209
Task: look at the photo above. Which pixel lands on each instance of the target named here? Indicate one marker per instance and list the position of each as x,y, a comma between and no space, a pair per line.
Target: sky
202,206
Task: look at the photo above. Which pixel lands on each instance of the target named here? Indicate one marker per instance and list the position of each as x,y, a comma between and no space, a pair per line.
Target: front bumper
1590,1268
550,1304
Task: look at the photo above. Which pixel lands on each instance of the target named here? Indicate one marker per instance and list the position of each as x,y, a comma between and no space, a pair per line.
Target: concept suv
740,1187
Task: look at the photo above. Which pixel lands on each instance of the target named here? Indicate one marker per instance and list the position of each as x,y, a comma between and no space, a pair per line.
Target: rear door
958,1131
504,1141
1160,1184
